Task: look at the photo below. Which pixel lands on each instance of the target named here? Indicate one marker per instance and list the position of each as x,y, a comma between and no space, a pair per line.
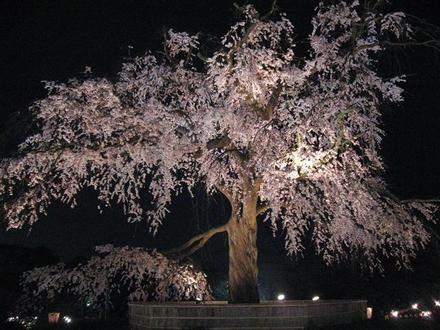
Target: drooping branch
433,232
100,279
385,192
434,44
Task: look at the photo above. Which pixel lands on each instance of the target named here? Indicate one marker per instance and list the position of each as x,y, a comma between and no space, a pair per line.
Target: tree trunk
243,266
242,236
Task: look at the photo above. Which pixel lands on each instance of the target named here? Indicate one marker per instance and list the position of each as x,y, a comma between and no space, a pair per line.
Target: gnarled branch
196,242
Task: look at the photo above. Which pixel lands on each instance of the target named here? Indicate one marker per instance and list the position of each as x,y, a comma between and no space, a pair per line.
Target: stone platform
218,315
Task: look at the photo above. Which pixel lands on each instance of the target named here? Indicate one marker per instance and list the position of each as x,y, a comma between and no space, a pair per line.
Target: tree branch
196,242
272,10
266,112
228,195
435,44
433,232
421,200
220,142
262,208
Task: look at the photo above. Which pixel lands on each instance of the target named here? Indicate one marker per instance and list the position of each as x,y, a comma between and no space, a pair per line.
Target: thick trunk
242,236
243,267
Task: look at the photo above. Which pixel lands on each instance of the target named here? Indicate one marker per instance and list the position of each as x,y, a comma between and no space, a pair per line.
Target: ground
367,325
387,325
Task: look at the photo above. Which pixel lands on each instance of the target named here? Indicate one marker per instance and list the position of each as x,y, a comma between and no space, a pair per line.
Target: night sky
55,40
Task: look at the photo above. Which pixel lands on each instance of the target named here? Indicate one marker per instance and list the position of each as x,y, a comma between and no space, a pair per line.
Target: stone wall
266,315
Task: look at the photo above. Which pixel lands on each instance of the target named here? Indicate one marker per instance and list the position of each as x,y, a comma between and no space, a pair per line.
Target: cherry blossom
144,275
296,138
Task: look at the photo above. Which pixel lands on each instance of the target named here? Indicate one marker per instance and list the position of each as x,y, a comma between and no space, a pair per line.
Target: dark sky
55,40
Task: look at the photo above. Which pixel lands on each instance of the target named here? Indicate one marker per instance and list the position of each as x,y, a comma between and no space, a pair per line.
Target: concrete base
293,314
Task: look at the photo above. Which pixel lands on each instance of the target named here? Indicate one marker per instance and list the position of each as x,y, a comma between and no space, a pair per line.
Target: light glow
437,303
425,314
315,298
394,313
281,297
369,313
67,319
415,306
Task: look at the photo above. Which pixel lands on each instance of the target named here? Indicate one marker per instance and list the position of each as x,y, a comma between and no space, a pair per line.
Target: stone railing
293,314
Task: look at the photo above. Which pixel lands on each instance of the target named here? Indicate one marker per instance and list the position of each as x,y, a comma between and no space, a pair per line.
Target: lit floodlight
315,298
281,297
425,314
67,319
199,300
437,303
369,313
415,306
394,314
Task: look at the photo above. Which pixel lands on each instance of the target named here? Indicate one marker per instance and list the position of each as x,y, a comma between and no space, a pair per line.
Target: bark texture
243,267
243,253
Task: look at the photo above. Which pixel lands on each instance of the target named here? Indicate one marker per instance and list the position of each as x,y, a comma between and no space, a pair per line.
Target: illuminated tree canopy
292,139
137,273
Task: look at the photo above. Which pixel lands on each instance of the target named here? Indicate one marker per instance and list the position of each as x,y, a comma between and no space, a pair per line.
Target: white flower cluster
131,274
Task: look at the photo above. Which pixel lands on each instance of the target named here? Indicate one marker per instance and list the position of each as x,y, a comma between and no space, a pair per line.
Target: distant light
425,314
415,306
437,303
281,297
67,319
88,302
315,298
369,313
394,313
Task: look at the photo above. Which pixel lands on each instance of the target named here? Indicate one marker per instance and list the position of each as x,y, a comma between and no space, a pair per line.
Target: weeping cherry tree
130,274
293,140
